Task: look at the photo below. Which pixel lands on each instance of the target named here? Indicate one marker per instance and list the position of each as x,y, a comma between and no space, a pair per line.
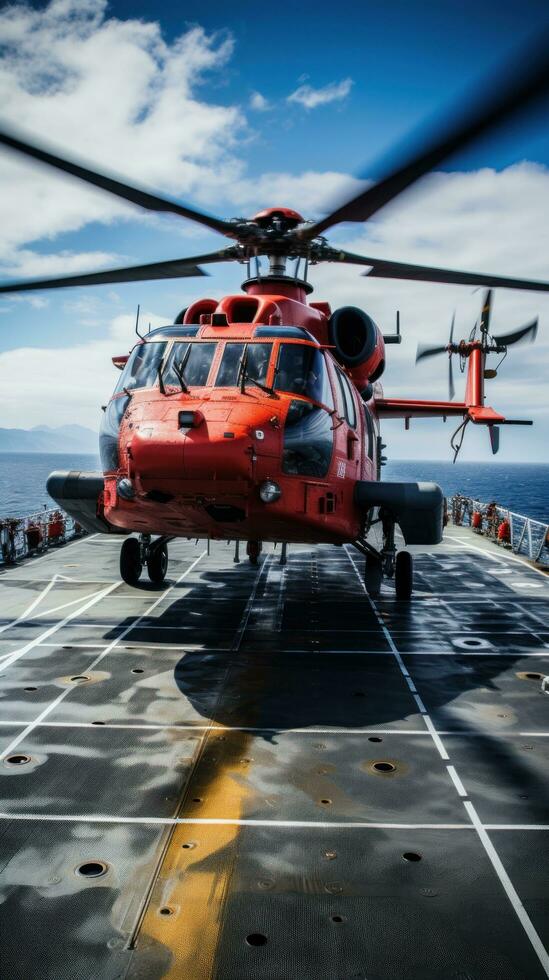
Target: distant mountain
44,439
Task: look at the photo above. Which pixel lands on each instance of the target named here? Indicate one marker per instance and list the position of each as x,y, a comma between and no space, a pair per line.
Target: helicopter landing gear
253,550
373,575
130,561
157,562
136,552
387,563
404,575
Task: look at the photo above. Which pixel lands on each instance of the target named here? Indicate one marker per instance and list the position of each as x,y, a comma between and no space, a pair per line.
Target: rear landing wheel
404,575
373,575
253,550
130,561
157,564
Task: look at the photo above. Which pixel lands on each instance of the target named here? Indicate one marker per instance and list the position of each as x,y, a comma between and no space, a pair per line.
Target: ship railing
522,535
22,537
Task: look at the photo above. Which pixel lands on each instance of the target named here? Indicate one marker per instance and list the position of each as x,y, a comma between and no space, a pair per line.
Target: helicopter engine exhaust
358,343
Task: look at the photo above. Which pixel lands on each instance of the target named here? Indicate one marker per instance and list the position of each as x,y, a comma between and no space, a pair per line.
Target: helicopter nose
208,450
214,452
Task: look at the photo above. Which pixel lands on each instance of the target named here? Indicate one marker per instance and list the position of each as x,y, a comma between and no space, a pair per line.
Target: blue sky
236,109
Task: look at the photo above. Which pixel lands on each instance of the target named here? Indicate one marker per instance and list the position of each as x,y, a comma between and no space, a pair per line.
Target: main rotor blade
423,350
516,84
384,269
506,339
172,269
143,198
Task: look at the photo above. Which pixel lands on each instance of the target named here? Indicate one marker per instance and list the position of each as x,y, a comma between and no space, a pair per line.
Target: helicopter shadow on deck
278,675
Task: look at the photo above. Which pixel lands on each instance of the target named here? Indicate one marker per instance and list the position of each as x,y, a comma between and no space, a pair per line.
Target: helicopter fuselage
261,435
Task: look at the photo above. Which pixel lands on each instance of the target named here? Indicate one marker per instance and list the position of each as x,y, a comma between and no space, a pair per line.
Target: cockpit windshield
141,370
256,363
301,369
194,364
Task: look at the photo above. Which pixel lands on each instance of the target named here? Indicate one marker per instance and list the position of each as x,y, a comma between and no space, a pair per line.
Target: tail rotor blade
486,313
451,388
423,350
516,336
493,431
452,325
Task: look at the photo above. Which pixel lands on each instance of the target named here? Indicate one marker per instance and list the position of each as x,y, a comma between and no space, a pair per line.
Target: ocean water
23,479
521,487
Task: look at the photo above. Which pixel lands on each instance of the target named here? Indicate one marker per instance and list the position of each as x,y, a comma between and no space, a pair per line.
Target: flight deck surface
259,773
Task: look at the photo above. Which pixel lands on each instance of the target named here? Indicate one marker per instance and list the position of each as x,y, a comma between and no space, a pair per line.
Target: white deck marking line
43,714
464,542
407,653
414,632
516,826
404,670
17,654
101,818
457,781
509,888
65,605
489,848
533,615
182,726
231,822
136,648
137,645
33,605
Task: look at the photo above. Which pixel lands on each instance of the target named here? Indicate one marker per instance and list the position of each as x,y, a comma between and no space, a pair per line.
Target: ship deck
259,773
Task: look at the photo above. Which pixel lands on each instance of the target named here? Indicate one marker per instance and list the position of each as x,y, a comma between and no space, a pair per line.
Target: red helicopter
256,417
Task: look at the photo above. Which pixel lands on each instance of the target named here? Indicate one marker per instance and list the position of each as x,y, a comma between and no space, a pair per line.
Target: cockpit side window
348,400
257,363
369,433
141,370
308,440
196,363
301,369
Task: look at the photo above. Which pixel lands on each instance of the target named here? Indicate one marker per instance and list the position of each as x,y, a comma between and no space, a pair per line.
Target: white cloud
26,263
111,92
84,377
306,192
259,102
310,97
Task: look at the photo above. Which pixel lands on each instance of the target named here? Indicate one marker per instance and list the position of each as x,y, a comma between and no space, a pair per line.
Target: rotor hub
280,218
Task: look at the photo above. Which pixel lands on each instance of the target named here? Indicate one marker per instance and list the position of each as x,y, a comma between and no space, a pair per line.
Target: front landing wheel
373,574
404,575
157,564
130,561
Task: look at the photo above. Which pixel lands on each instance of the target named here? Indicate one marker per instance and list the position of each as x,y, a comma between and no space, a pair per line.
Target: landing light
269,492
125,489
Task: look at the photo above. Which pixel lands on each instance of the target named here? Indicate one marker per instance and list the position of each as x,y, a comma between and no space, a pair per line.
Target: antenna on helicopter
394,338
140,335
